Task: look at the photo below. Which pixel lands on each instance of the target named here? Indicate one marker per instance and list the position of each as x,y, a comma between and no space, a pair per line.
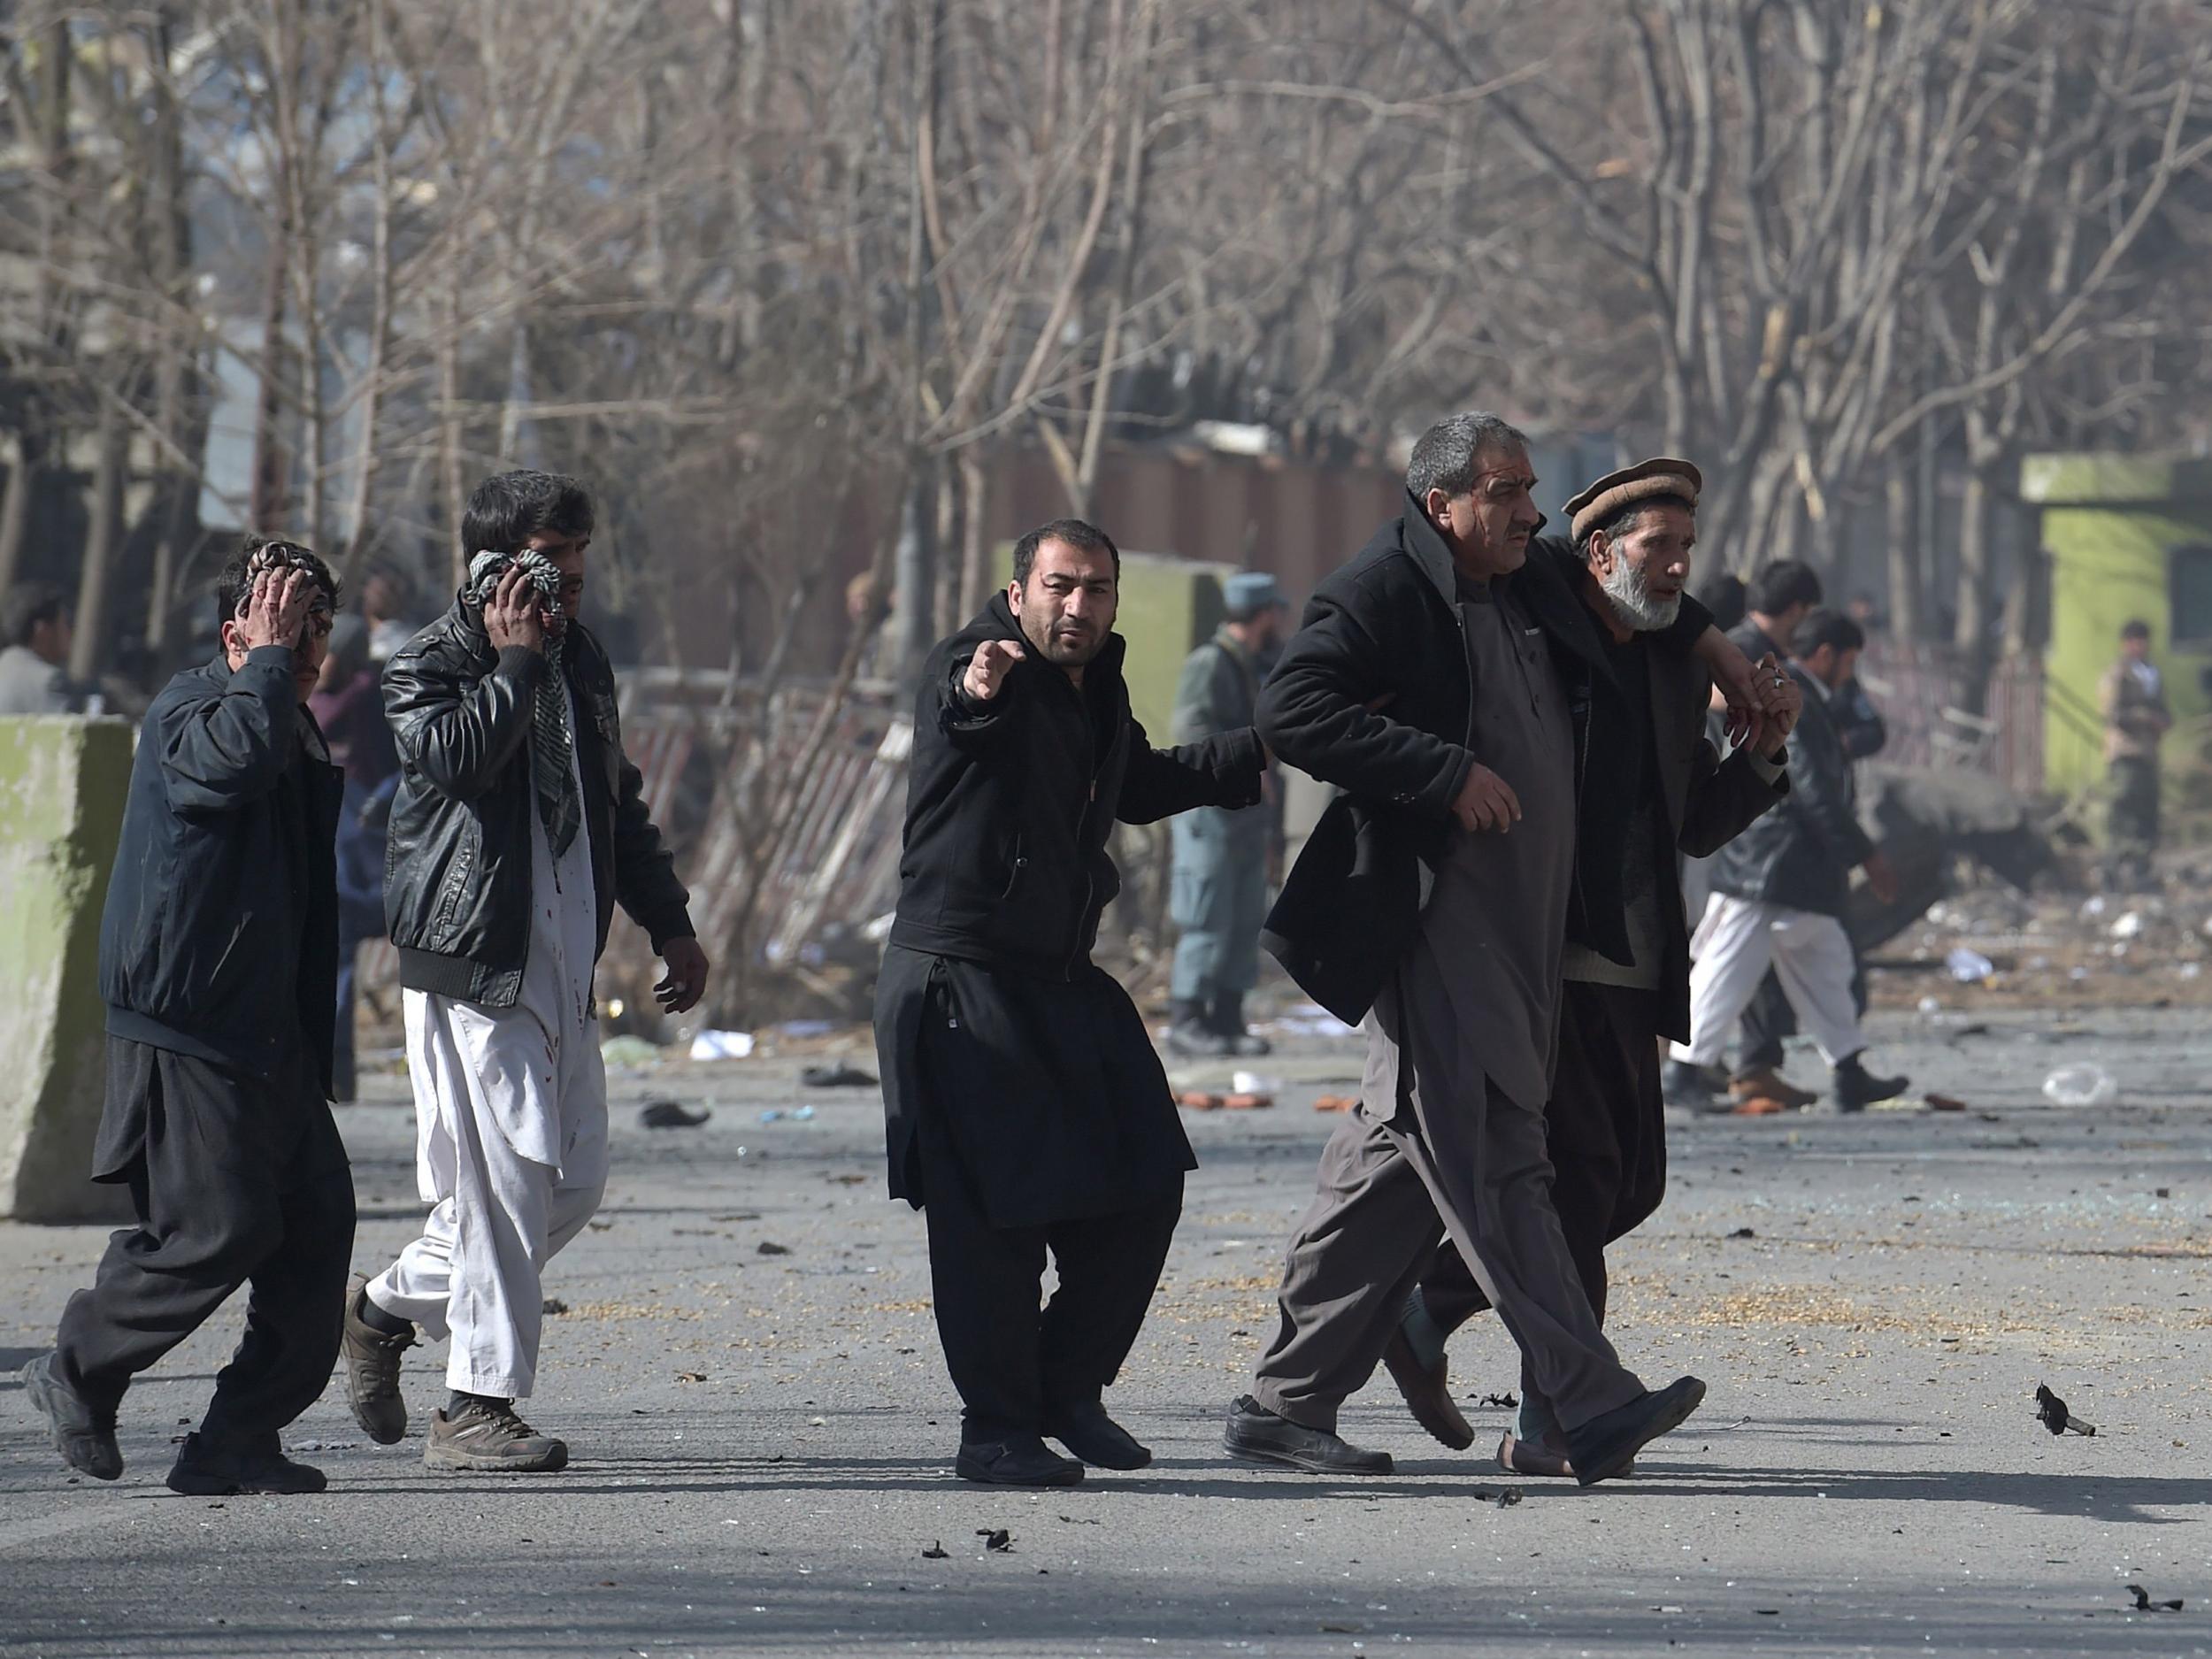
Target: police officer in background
1218,896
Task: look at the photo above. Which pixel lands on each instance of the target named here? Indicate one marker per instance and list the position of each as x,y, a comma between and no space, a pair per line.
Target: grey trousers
1460,1157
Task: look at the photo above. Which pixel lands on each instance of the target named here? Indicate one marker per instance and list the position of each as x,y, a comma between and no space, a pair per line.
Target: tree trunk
101,533
1972,635
1900,531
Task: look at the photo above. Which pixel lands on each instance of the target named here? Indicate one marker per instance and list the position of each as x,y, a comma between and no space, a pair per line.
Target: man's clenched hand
987,669
1486,801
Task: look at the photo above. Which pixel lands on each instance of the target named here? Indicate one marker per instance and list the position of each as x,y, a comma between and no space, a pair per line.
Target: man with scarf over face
218,963
1026,1110
517,826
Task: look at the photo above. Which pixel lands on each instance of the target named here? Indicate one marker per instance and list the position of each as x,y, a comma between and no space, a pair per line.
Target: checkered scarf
550,741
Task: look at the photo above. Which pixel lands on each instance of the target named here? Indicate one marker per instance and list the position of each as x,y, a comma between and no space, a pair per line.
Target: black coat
456,856
1801,856
220,935
1374,693
1005,872
1009,804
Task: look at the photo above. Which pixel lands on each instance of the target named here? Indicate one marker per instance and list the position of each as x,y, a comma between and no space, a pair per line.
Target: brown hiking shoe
486,1434
371,1359
1765,1083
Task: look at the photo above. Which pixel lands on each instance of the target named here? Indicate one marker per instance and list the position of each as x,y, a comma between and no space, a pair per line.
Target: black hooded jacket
1009,803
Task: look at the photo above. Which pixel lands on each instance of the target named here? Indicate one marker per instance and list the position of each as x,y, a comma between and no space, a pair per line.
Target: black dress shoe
206,1471
1086,1431
1026,1461
1256,1435
1606,1445
1858,1088
85,1438
1428,1396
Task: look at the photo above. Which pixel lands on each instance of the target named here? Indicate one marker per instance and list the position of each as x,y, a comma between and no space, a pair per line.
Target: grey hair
1446,455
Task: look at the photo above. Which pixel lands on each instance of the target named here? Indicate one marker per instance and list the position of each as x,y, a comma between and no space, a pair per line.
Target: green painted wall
2109,523
62,786
1169,607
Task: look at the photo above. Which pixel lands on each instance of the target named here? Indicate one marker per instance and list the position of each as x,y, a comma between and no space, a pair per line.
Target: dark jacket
1860,727
221,936
1704,802
1374,693
1009,804
1801,856
457,859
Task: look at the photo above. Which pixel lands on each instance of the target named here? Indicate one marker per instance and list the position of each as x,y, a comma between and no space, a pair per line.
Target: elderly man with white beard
1655,786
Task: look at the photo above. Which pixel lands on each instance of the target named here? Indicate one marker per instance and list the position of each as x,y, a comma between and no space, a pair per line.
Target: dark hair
1826,628
1624,521
1448,455
235,583
1779,586
1084,538
507,509
1722,593
2135,628
27,605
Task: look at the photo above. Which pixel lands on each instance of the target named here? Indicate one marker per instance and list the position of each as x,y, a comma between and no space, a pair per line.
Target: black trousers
236,1180
1014,1364
1605,1131
2132,826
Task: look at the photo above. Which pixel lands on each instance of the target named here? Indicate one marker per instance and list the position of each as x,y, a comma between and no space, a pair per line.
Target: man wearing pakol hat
1219,891
1431,680
519,826
1655,788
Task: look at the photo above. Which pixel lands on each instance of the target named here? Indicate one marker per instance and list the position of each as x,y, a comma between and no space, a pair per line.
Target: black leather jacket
1800,854
457,861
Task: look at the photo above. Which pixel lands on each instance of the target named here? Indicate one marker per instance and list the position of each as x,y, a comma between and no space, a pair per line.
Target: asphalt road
762,1438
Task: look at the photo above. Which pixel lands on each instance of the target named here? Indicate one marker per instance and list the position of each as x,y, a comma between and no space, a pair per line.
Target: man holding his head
1026,1110
218,961
519,826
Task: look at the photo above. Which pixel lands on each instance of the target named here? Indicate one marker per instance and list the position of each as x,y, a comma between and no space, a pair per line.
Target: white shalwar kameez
510,1113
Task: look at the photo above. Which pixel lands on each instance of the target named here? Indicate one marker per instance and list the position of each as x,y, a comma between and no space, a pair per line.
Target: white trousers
1736,943
497,1215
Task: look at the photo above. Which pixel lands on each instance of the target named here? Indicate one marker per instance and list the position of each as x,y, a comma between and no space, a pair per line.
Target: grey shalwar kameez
1458,1070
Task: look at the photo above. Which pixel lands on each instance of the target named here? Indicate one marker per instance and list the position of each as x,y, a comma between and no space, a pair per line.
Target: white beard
1633,601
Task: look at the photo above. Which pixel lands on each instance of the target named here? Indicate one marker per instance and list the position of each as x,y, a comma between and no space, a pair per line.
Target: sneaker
1765,1083
85,1438
371,1358
1857,1088
486,1434
1256,1435
205,1470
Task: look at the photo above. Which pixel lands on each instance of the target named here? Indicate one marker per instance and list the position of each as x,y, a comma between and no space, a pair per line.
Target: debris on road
795,1114
722,1045
1743,1233
2052,1415
553,1305
2144,1604
668,1114
1945,1104
936,1551
769,1247
1334,1102
2081,1085
995,1538
1201,1101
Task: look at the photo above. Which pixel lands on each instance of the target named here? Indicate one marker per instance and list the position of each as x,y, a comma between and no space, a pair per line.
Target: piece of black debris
2144,1604
1743,1233
1507,1500
668,1114
995,1538
1082,1520
936,1551
840,1075
554,1305
2051,1412
1507,1401
769,1247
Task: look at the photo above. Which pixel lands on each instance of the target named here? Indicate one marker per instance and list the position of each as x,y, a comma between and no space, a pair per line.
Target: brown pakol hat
1662,475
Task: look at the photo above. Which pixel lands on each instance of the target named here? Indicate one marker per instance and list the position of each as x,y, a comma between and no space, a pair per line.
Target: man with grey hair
1429,681
1653,787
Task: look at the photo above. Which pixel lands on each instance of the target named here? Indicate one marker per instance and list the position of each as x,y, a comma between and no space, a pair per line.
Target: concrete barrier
62,786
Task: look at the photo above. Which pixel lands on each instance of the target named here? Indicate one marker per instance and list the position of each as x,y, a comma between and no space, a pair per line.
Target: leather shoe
1765,1083
1086,1431
204,1470
1428,1396
1256,1435
1858,1088
85,1439
1025,1462
1608,1444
